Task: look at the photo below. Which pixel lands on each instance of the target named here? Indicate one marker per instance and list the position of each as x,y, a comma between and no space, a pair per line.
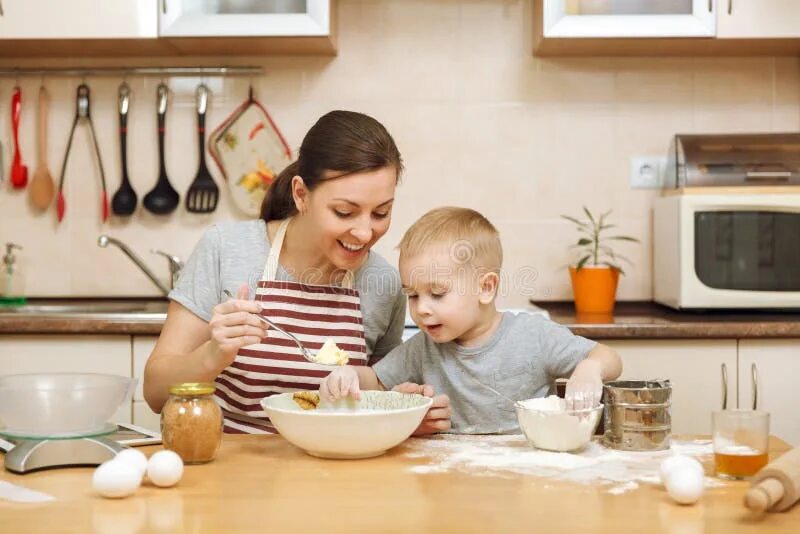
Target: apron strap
271,268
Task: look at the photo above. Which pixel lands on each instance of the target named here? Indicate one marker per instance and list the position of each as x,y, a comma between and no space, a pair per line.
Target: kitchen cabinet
143,416
768,372
629,18
739,19
78,19
68,353
697,370
244,18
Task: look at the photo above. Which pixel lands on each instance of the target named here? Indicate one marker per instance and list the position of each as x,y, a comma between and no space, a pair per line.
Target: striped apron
313,313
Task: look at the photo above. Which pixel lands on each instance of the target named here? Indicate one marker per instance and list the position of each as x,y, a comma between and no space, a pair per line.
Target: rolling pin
777,486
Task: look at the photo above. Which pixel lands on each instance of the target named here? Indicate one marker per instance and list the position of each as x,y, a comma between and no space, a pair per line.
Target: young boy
481,358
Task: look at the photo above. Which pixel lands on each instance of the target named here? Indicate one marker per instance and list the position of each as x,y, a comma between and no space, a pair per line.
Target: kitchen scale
25,454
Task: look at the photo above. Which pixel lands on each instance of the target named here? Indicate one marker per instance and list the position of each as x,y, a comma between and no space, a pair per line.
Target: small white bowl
561,431
348,429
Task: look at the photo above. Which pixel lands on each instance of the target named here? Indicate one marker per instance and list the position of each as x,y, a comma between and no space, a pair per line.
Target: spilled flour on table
619,471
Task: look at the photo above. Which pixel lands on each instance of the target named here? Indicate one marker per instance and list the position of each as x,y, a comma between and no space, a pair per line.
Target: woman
308,263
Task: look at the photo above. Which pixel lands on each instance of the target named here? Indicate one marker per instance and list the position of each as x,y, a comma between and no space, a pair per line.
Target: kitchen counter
648,320
632,320
261,483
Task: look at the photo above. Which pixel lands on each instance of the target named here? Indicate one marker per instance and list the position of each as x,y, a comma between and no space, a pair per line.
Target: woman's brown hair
342,141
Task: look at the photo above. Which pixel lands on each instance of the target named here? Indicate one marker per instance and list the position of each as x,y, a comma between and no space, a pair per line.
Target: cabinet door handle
754,376
1,9
164,6
710,6
730,7
724,386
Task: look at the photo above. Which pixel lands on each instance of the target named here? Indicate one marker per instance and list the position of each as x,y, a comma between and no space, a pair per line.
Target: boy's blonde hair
468,236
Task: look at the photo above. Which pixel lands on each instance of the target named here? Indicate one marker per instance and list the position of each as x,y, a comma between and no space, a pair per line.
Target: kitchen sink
87,307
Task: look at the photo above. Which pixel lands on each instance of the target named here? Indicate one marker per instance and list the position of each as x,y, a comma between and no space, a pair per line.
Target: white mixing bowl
60,404
348,429
561,431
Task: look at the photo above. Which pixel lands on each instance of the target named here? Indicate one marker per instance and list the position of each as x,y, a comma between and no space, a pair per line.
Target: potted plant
596,273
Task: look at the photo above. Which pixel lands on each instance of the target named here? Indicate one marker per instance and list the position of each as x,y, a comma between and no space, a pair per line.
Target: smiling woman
306,264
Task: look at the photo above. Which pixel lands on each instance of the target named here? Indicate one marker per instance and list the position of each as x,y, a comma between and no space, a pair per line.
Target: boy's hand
585,386
340,383
438,417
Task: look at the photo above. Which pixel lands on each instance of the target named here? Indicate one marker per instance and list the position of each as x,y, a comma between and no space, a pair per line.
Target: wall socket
647,172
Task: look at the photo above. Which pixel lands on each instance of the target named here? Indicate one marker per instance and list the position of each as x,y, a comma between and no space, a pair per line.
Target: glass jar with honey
191,422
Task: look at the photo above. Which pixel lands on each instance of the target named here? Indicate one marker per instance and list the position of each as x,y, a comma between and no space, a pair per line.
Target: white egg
116,479
678,461
165,468
133,457
685,484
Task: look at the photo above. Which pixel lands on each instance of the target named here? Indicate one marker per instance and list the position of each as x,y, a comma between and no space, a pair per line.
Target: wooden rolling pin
777,486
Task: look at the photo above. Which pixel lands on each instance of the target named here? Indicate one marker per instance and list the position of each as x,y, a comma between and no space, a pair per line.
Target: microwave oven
727,249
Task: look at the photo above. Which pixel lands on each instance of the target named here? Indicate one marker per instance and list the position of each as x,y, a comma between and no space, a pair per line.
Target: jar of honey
191,422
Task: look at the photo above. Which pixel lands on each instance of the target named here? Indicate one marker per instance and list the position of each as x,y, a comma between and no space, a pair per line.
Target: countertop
263,484
631,320
648,320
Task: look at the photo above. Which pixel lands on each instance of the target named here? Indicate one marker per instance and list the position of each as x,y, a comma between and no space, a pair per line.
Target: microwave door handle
767,175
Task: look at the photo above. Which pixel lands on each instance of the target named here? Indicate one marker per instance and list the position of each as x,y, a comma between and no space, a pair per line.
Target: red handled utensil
19,172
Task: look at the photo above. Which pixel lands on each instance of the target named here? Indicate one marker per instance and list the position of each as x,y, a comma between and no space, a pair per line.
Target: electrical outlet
646,172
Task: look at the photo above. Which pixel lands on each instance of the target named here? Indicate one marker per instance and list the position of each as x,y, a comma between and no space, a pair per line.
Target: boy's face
444,297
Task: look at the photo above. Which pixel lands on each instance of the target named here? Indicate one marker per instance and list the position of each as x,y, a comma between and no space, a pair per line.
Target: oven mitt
250,152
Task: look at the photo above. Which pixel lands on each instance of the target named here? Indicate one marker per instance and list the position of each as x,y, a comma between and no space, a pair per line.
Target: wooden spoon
42,187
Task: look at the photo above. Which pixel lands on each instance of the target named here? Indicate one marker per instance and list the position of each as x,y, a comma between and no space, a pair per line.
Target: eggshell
165,468
116,479
678,461
685,485
133,457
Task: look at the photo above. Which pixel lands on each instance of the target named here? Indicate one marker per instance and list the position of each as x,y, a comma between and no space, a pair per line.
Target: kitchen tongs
82,113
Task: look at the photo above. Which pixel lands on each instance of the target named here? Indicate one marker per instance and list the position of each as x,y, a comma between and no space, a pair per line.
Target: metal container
637,415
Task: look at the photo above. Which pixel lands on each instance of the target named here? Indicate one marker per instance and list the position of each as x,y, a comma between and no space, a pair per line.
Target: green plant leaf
582,262
603,218
623,238
614,266
580,223
607,226
584,241
589,214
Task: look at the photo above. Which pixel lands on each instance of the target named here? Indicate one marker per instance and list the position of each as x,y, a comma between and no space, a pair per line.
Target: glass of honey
741,442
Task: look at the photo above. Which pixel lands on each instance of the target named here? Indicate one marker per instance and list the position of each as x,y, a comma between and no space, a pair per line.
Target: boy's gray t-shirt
235,252
521,361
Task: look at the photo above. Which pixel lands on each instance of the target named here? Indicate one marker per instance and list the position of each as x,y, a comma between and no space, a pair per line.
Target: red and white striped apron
313,313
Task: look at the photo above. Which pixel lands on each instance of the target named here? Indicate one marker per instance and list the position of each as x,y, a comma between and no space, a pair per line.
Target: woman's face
351,213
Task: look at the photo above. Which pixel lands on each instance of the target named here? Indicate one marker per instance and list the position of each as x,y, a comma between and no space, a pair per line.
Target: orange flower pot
595,288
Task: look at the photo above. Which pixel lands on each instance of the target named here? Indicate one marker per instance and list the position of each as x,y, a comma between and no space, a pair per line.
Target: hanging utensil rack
133,71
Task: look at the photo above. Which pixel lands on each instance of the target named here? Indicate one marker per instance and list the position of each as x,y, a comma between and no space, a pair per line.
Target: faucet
175,263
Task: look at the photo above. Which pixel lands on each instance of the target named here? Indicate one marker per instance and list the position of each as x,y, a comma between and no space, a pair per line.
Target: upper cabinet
666,27
244,18
87,28
629,18
770,19
78,19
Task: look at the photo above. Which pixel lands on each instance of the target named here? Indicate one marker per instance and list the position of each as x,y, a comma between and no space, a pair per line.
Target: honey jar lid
192,388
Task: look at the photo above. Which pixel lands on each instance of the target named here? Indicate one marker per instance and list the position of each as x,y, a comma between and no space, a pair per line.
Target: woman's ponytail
279,203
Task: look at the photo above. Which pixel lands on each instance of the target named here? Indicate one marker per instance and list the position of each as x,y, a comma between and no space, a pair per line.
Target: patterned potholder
250,151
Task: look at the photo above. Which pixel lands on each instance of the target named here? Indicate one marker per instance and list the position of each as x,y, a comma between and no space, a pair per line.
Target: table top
423,485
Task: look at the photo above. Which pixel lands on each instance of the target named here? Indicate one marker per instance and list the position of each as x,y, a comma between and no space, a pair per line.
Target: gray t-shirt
520,361
232,253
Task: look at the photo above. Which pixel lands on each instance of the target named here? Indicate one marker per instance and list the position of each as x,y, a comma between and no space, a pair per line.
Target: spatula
203,194
42,187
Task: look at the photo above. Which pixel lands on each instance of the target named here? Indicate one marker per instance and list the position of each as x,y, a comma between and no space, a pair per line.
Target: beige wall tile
479,120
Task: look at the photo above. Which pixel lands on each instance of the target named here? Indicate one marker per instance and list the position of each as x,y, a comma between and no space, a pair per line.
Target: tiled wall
479,120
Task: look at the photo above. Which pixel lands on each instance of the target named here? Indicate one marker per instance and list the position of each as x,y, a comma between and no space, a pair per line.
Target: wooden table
260,483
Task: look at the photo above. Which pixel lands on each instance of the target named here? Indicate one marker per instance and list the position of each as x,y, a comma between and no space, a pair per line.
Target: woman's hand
585,386
438,417
343,381
234,326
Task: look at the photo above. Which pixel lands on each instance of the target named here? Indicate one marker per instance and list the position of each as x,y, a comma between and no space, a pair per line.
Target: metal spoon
307,355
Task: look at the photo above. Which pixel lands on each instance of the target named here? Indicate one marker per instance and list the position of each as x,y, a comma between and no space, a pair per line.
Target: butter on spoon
330,354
